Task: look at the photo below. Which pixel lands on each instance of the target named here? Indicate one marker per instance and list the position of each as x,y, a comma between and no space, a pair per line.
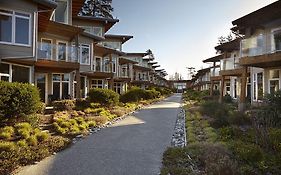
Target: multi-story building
47,44
215,78
201,80
260,49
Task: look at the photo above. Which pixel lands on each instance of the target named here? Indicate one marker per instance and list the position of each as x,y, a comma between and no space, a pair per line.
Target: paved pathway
133,146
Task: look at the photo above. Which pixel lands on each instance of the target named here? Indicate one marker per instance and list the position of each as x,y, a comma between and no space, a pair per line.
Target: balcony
262,51
57,52
123,73
214,72
230,63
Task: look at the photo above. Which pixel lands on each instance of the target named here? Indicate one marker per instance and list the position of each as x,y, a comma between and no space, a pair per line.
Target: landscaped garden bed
221,140
27,135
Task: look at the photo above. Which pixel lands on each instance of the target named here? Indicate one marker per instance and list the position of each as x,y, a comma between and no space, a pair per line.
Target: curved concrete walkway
133,146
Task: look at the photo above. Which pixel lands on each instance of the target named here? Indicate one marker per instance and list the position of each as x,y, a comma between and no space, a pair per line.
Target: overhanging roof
142,54
62,29
259,17
47,3
122,38
229,46
123,60
107,22
94,37
213,59
106,51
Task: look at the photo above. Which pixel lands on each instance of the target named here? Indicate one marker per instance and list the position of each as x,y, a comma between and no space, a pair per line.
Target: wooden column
242,100
77,71
222,89
78,84
212,88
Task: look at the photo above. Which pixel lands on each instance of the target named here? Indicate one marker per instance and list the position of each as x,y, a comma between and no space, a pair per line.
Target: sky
181,33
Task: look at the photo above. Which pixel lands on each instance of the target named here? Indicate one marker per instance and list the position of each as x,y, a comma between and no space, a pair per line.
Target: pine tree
97,8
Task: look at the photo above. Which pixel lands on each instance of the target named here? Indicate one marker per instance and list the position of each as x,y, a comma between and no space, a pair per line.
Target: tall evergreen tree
97,8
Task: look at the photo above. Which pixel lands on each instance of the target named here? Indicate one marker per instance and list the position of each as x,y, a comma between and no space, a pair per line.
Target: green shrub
32,119
92,124
100,120
32,140
7,146
41,136
275,138
227,99
18,99
81,104
24,129
248,152
152,94
7,132
64,105
135,94
103,96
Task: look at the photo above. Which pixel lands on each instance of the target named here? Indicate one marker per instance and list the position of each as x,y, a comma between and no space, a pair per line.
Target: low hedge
18,99
64,105
136,94
103,96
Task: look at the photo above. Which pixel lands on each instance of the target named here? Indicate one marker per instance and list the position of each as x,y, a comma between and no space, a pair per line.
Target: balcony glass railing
57,52
229,63
124,73
261,44
214,72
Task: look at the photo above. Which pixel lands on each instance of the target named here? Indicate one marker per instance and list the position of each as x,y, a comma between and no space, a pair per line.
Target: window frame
14,16
57,50
10,74
48,39
81,46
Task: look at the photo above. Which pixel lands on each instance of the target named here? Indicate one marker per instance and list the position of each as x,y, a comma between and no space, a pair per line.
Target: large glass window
85,54
20,74
106,64
260,85
61,11
113,45
46,49
114,60
14,27
61,51
97,83
5,27
4,72
98,64
61,86
277,40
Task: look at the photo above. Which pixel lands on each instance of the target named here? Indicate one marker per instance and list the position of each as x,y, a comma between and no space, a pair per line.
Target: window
46,49
14,73
61,51
61,86
112,45
15,28
106,64
97,83
118,87
61,11
273,81
85,54
20,74
4,72
277,40
235,88
93,30
97,64
114,60
260,85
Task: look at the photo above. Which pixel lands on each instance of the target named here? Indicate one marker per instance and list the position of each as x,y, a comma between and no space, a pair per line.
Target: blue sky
181,33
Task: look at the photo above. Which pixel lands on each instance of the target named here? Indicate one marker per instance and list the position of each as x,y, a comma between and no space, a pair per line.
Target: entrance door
41,83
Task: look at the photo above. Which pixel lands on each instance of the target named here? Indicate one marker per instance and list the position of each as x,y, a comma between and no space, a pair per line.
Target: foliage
18,99
7,132
81,104
193,95
136,94
103,96
97,8
64,105
227,99
12,155
199,158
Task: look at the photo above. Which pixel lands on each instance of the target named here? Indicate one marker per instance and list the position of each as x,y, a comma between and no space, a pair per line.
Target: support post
212,88
242,100
222,89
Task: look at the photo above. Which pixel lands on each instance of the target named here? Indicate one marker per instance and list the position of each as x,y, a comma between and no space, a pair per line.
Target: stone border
179,136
